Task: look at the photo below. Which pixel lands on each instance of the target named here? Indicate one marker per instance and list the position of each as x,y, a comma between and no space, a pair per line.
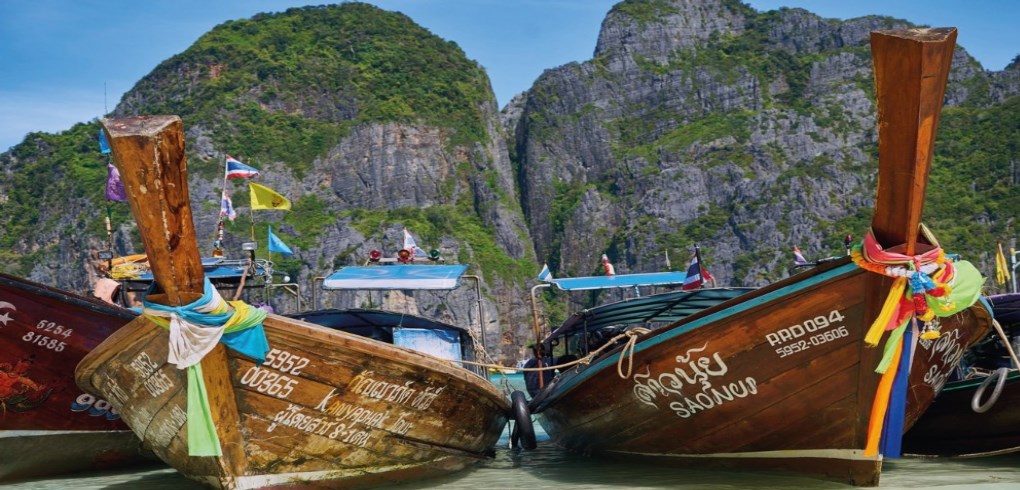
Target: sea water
550,468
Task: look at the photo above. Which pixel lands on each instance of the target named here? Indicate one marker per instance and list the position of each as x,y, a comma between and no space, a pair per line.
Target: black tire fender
523,433
975,403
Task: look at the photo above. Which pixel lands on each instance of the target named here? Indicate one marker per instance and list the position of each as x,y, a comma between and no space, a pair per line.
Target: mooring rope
627,352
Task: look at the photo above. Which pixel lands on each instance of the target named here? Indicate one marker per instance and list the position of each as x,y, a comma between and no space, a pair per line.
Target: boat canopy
666,307
217,269
620,281
1006,308
422,334
351,319
398,276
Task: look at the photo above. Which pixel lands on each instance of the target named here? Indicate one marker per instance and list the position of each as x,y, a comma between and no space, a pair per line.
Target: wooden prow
149,152
911,70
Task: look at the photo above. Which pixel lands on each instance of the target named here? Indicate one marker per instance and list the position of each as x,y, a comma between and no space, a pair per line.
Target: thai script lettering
167,427
293,417
949,350
693,374
364,384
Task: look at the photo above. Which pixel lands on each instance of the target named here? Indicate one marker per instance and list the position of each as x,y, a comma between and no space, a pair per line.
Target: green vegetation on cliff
286,87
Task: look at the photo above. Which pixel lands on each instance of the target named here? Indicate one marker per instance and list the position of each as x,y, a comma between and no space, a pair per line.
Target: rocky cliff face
695,122
704,122
442,172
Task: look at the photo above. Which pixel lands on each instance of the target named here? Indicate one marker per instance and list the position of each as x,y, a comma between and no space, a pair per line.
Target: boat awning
666,307
620,281
1006,308
398,276
216,269
353,319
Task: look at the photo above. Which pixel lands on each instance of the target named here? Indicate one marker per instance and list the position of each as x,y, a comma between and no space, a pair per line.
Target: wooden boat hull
48,425
775,379
952,428
326,409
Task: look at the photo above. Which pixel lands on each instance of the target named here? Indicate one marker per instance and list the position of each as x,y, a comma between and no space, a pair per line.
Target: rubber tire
523,433
975,403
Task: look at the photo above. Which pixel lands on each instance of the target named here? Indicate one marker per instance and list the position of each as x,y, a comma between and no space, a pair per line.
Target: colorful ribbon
194,331
926,286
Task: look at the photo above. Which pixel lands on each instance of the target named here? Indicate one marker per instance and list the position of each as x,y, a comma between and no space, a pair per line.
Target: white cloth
189,343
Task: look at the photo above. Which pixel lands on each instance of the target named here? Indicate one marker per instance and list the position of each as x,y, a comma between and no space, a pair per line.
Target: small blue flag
104,146
277,245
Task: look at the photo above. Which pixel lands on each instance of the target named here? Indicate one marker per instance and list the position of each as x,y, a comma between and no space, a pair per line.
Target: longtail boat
396,276
784,377
976,414
238,398
47,425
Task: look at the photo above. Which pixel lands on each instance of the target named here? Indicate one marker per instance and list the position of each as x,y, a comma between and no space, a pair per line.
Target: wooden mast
911,70
149,152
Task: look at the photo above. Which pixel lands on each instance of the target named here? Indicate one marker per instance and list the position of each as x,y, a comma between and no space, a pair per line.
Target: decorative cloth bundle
194,331
938,287
926,286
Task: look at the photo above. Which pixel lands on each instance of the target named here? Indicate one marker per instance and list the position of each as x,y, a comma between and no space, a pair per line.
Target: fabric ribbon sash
925,286
195,329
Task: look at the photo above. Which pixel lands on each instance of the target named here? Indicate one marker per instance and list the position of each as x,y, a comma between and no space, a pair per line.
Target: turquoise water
550,468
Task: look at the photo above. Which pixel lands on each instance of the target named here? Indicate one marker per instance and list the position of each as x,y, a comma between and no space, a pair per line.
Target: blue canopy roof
621,281
397,276
217,268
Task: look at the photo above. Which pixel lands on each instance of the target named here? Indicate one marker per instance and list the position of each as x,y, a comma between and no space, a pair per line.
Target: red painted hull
44,333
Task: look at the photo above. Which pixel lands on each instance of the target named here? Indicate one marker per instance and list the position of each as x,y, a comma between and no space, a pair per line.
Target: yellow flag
263,197
1001,268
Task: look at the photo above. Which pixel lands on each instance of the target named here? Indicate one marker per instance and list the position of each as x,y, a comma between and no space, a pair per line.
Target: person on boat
531,378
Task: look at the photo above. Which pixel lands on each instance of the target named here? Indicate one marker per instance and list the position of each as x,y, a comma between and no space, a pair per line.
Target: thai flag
227,207
545,274
610,270
798,258
411,246
238,170
695,275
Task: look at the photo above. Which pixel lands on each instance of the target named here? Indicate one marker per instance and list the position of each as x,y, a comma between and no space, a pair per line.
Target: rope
1005,340
628,352
128,271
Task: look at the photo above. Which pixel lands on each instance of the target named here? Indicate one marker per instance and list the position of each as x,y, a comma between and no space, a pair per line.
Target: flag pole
218,242
109,207
251,213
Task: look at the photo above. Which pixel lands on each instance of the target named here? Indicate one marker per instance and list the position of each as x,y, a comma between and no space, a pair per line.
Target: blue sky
69,61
